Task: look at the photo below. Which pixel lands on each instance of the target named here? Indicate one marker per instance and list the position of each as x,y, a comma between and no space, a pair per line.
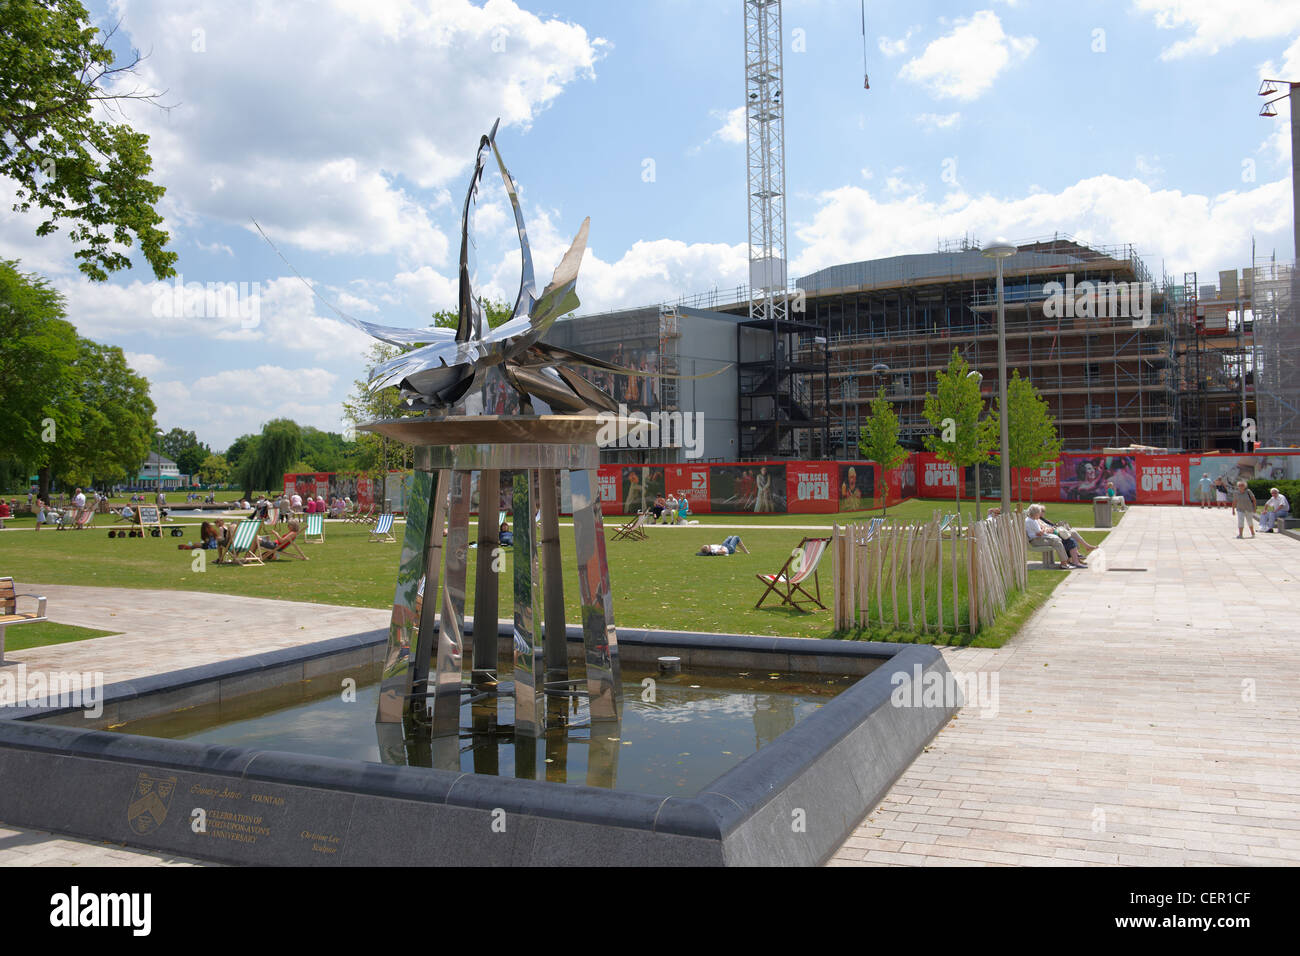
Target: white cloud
145,363
1149,166
1216,24
332,151
963,64
1187,231
934,121
732,130
233,402
894,47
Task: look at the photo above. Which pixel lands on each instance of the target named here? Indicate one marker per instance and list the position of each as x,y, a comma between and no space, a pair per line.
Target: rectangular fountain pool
679,732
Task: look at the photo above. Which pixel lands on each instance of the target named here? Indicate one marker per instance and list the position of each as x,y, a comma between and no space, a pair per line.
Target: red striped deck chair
788,583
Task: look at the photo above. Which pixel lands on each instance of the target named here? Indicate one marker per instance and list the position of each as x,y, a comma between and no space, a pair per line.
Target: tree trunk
43,482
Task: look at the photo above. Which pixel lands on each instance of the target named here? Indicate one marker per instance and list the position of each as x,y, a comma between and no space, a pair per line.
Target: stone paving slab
160,631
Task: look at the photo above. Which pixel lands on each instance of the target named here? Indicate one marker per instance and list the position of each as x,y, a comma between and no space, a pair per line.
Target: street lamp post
1268,88
1000,251
978,378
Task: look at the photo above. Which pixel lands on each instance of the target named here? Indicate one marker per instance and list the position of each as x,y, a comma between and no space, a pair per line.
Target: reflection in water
698,725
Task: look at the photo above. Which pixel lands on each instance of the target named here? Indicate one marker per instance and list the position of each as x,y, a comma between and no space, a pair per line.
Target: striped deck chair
244,546
84,517
383,529
787,583
362,515
634,530
873,526
315,532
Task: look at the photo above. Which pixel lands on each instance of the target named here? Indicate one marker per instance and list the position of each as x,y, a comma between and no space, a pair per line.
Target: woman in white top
1041,535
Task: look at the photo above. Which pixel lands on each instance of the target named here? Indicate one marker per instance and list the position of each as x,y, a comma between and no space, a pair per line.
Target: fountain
492,406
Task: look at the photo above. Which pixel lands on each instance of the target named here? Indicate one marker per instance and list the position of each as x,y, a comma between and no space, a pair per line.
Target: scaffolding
1277,353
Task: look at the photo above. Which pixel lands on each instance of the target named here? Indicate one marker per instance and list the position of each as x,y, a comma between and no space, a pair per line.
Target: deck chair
383,529
787,583
315,531
83,519
873,526
634,530
244,546
364,516
289,548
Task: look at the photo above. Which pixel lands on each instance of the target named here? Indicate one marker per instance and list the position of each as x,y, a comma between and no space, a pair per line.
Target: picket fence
976,568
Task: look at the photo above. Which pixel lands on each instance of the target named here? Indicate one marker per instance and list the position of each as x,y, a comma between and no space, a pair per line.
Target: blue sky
348,129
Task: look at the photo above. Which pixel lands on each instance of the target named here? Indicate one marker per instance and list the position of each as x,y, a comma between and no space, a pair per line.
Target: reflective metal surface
530,697
485,580
446,680
396,681
507,457
426,640
598,633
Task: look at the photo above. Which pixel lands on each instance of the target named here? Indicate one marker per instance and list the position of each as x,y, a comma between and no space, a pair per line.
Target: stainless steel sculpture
451,375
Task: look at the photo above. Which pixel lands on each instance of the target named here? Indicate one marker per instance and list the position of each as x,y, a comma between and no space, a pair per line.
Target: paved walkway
1142,717
160,631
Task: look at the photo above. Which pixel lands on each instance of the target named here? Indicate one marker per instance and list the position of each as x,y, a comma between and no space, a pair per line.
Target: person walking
1244,502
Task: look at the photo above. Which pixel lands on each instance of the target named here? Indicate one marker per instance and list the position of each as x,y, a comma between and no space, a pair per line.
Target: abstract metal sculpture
446,374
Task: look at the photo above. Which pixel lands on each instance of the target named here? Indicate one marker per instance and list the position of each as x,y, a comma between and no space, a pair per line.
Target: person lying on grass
728,546
273,545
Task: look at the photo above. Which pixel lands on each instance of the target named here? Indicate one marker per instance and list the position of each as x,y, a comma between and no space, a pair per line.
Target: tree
263,465
214,470
879,441
1032,439
55,69
954,412
184,448
494,312
115,425
374,453
38,354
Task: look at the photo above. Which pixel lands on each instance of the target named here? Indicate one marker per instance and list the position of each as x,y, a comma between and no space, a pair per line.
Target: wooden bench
9,613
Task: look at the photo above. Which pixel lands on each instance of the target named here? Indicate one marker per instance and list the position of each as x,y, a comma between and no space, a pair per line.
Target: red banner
607,482
810,487
1161,479
935,478
690,482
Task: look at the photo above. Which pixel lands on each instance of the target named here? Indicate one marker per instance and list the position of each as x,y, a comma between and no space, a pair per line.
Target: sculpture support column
445,681
557,657
426,638
530,695
598,635
485,579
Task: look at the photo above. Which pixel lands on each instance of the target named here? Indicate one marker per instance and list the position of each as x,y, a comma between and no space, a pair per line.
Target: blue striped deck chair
244,546
873,526
383,529
315,532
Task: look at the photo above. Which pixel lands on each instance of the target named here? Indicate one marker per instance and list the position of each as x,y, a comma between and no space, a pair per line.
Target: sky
348,131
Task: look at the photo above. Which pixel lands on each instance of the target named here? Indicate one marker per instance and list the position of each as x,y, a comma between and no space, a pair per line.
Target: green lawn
45,633
657,583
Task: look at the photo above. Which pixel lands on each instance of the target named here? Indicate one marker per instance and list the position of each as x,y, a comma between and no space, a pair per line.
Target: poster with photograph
1084,477
857,486
640,485
750,487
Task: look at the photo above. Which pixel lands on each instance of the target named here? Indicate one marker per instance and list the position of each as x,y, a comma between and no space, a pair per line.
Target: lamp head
998,250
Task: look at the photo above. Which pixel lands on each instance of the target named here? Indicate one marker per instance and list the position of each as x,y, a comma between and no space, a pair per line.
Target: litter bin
1101,512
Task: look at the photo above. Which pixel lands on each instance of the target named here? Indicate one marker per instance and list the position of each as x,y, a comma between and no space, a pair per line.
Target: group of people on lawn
219,536
286,506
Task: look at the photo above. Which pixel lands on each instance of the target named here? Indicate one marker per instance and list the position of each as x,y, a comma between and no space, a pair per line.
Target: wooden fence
928,577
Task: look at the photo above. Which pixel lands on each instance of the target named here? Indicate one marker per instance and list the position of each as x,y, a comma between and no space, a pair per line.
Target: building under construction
1120,357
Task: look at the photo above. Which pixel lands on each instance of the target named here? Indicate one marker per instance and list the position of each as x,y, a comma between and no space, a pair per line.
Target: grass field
46,633
657,583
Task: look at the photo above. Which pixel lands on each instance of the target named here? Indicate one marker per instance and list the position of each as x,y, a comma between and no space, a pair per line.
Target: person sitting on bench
1276,507
1064,531
1042,536
729,546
